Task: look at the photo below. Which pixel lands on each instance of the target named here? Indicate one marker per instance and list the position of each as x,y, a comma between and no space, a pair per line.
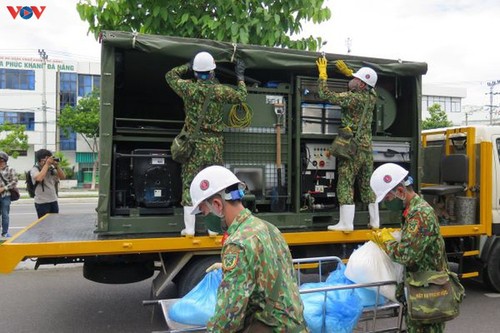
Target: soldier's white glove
217,265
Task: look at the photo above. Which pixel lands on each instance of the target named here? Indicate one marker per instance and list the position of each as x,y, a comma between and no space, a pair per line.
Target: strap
196,131
4,181
361,120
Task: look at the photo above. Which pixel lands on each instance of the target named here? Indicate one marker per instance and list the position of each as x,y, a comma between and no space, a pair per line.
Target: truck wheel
492,276
193,273
118,273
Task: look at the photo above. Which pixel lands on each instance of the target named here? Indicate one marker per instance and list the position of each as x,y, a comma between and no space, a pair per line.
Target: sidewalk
66,193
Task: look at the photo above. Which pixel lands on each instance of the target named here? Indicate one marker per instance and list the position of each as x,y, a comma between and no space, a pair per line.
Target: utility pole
44,58
348,44
492,85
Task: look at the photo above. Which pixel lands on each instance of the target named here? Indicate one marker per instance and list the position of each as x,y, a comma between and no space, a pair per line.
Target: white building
449,98
25,85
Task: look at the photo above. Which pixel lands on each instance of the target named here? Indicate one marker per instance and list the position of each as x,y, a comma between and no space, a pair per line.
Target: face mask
216,220
213,222
395,204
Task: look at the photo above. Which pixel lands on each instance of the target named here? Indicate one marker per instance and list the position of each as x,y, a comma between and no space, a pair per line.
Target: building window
21,118
87,83
456,105
17,79
84,85
97,82
448,104
67,142
68,83
68,89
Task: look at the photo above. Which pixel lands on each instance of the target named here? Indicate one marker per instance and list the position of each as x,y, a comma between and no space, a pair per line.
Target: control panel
316,157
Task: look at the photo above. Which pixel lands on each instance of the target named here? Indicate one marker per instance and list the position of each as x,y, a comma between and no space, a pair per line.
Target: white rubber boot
374,217
346,221
212,233
189,222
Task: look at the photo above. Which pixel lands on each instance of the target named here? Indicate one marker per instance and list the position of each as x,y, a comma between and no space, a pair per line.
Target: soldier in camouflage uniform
422,246
209,144
258,292
359,100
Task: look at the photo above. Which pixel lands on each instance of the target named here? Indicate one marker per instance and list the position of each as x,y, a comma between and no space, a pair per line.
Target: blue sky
458,39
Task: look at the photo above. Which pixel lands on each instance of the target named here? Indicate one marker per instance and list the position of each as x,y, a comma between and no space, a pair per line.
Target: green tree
84,120
69,171
14,139
437,118
261,22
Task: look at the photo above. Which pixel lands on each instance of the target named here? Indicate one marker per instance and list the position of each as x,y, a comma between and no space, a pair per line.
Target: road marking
492,295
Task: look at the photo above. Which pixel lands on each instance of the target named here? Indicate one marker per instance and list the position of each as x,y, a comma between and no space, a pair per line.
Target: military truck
284,128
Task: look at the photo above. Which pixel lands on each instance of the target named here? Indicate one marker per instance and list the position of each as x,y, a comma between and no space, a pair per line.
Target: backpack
30,187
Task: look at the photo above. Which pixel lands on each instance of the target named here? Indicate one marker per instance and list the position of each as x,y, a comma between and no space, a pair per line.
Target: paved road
60,300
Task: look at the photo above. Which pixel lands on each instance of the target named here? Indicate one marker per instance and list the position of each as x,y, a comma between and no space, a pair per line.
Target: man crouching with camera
45,175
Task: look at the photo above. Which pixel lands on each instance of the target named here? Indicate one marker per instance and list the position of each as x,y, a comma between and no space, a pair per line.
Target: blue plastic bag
197,306
368,297
342,309
313,306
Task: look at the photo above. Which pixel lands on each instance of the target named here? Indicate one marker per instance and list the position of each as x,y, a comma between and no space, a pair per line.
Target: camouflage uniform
209,145
253,256
421,248
361,166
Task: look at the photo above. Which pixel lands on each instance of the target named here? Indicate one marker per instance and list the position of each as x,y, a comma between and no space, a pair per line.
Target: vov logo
26,12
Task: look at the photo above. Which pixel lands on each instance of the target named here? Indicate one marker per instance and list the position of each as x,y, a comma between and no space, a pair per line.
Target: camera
57,159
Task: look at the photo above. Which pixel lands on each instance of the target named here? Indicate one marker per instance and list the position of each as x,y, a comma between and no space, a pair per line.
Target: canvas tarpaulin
255,56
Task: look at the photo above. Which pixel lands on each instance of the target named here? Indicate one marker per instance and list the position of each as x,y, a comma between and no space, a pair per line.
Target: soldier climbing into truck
203,105
357,163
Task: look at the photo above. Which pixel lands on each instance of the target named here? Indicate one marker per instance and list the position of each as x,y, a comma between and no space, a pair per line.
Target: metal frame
369,315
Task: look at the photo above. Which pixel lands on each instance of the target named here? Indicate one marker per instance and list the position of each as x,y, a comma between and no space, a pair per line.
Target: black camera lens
56,159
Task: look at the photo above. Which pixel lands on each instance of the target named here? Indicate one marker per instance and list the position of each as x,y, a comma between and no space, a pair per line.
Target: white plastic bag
369,264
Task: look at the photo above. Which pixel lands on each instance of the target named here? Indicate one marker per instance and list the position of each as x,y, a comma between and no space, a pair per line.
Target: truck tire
193,273
492,272
117,273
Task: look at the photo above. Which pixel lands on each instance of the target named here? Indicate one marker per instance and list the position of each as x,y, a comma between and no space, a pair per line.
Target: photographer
46,174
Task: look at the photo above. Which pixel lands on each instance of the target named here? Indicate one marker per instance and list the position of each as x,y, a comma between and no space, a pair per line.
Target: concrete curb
63,196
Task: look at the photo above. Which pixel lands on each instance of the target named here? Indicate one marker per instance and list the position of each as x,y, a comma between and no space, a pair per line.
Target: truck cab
468,158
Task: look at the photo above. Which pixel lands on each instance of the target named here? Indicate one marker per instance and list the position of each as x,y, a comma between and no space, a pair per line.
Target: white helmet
385,178
210,181
203,62
367,75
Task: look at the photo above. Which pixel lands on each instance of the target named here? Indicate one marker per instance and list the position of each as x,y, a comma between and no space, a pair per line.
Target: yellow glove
386,235
375,237
342,67
217,265
380,237
321,63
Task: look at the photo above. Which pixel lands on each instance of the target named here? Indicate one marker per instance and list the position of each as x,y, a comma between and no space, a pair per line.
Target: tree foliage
14,139
84,120
437,118
260,22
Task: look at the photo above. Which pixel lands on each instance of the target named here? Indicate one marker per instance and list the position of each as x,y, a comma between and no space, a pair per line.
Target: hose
237,121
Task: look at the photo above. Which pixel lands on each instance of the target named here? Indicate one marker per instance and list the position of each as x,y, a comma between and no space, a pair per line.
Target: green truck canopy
183,49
